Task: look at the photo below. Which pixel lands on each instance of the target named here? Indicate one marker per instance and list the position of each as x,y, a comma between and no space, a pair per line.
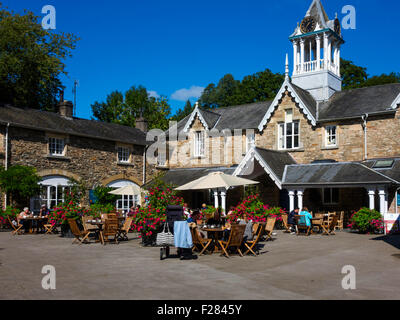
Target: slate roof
357,102
276,160
393,173
307,98
179,177
341,173
50,121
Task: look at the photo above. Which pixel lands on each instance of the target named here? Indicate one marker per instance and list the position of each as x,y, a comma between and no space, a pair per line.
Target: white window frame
123,153
325,202
283,138
199,144
56,146
329,136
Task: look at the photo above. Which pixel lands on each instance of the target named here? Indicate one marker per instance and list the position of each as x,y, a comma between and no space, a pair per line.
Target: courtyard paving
289,267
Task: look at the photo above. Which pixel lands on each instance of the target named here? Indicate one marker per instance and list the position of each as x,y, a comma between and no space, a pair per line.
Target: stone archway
107,181
59,172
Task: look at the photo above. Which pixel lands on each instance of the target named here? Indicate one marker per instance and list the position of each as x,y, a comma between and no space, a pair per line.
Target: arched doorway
126,201
52,192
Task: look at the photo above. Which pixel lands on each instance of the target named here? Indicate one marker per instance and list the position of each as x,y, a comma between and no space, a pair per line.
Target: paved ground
289,268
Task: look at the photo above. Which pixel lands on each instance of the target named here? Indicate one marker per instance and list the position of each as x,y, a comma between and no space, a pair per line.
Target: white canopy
216,180
131,190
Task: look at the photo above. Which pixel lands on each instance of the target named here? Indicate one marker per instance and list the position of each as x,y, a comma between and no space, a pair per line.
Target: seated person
292,220
307,215
216,219
248,233
21,218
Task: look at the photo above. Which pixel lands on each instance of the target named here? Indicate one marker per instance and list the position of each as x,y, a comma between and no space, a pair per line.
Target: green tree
383,79
31,60
182,113
257,87
20,182
104,197
353,76
125,108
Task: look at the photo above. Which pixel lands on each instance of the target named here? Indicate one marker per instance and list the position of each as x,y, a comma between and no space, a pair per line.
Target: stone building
62,147
313,145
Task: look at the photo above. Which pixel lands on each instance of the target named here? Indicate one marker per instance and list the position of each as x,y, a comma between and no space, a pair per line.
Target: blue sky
175,48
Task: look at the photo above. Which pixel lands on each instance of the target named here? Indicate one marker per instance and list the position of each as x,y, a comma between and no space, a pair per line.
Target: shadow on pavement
393,240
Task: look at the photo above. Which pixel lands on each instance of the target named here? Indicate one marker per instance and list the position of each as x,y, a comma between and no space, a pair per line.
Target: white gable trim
252,155
320,12
196,112
396,102
286,86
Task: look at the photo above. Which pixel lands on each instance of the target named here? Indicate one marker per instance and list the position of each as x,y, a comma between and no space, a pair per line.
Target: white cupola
316,53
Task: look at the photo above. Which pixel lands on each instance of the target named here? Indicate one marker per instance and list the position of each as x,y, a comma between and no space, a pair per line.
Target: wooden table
30,221
99,225
214,234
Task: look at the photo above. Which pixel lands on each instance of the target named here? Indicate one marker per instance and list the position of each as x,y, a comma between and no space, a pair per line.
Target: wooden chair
285,218
49,228
340,222
235,240
87,226
199,243
110,228
269,228
123,232
329,227
250,245
17,229
81,236
302,225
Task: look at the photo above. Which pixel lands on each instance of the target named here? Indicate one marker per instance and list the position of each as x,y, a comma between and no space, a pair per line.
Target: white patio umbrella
215,181
130,190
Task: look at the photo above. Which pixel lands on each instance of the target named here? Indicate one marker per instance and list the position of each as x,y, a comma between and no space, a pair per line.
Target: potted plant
367,221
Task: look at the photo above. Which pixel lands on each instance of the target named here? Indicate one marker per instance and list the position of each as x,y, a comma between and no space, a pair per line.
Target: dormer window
289,132
199,143
56,147
250,140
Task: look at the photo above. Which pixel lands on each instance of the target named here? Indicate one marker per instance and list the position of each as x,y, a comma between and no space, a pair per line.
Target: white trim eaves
286,86
253,154
196,112
396,102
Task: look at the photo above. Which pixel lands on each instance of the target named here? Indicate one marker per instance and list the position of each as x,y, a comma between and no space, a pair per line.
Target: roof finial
287,67
196,105
336,15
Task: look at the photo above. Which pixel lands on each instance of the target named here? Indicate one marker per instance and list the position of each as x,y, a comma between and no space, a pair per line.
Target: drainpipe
365,120
6,161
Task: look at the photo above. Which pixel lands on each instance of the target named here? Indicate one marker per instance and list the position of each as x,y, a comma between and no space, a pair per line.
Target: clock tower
316,50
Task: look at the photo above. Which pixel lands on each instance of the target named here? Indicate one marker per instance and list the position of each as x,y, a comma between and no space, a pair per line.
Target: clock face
338,28
308,25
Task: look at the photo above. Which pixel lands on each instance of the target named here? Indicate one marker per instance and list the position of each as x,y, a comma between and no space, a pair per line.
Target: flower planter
149,241
66,231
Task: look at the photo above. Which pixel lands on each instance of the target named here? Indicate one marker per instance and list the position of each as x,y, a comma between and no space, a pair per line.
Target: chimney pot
66,109
141,124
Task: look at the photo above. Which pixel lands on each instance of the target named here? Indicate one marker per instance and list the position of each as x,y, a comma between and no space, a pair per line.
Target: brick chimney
141,124
66,109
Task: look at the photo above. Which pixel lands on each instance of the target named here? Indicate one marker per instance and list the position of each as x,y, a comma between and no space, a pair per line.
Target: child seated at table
307,217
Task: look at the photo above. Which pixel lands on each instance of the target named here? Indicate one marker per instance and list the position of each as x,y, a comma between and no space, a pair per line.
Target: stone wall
381,142
218,150
92,160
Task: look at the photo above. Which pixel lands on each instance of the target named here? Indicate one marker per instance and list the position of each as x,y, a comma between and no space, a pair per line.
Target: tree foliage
182,113
357,77
31,60
260,86
21,182
125,108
